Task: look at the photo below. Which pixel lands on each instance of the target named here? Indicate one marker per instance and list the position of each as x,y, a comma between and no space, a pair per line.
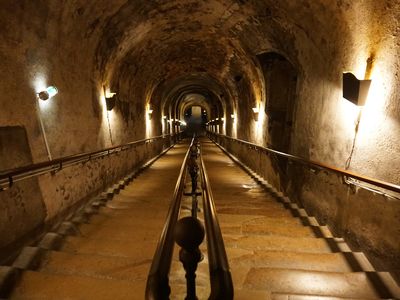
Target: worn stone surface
274,261
155,53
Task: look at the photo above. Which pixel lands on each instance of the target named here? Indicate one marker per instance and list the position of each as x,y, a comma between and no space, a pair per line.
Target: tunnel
273,127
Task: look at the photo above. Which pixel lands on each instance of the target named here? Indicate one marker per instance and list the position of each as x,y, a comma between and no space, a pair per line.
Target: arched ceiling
155,43
140,46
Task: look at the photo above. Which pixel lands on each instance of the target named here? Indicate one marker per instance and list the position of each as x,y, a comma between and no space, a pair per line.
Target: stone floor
111,255
272,254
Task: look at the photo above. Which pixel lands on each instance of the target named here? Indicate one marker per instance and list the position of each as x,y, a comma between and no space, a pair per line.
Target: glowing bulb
50,92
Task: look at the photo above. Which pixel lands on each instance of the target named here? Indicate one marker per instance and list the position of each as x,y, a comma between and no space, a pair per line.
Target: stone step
96,266
327,262
259,211
138,232
278,243
38,285
123,248
102,219
277,296
256,219
270,229
123,211
315,283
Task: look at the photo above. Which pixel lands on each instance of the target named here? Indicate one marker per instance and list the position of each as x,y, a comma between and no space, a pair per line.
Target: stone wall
369,221
31,206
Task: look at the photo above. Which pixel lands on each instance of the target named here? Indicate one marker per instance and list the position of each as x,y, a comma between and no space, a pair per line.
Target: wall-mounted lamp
111,99
355,90
233,117
256,111
50,92
164,117
150,114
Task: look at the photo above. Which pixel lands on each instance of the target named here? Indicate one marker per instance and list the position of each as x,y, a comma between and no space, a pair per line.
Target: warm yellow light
110,94
256,111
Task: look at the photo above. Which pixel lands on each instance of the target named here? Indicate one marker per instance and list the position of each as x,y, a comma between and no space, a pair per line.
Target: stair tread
119,231
327,262
96,266
273,242
278,296
38,285
353,285
107,247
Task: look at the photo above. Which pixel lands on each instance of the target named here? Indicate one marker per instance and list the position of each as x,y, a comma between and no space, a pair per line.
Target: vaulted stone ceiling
154,51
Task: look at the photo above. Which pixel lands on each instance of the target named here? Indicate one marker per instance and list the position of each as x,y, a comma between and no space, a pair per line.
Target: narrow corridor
109,257
272,253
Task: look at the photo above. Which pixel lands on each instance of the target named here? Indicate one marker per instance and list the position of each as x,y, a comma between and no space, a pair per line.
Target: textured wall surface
154,54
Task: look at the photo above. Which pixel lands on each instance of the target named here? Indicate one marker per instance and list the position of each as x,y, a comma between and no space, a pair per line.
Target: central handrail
157,286
315,164
220,276
8,177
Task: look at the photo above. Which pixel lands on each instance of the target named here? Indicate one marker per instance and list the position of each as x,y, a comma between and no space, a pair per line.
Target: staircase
276,251
105,255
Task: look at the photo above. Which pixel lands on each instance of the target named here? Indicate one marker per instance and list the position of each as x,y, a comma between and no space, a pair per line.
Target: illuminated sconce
355,90
164,117
256,112
233,117
111,99
182,123
150,114
50,92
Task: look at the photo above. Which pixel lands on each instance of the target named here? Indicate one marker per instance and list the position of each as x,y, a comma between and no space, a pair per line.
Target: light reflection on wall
377,130
259,125
374,118
234,124
148,122
40,84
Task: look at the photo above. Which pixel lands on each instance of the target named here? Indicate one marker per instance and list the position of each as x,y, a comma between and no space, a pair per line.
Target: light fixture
150,113
355,90
111,99
164,117
50,92
256,111
232,116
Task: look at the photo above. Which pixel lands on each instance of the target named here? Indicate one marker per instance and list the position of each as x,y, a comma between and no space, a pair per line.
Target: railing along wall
9,177
314,165
220,276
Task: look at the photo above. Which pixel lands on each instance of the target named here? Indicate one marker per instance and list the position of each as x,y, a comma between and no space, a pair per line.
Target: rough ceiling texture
151,52
228,57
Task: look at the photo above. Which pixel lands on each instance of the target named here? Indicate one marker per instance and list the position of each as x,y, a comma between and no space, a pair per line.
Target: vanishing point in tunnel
262,136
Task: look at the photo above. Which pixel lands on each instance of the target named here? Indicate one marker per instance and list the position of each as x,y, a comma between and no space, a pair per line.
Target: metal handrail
220,276
8,177
316,165
157,286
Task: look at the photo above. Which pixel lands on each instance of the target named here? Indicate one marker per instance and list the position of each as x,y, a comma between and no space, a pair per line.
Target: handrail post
189,234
